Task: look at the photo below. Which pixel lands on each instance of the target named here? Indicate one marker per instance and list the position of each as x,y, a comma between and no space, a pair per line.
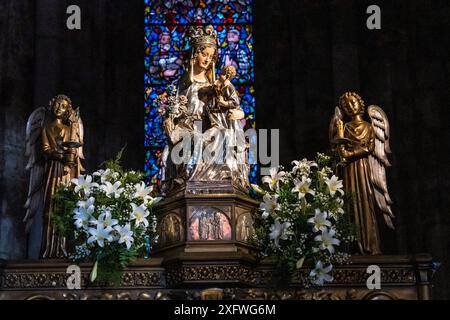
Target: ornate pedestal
402,277
207,225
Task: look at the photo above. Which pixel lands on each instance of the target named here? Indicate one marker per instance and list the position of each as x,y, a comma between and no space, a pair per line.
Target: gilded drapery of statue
363,149
54,140
209,116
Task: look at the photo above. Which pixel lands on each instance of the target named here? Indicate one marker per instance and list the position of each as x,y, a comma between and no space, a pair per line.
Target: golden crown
199,36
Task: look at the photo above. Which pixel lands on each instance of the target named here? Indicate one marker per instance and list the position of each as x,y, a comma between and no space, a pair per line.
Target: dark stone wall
307,53
101,68
16,103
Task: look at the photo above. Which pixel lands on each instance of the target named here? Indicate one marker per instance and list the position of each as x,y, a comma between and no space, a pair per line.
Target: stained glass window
166,50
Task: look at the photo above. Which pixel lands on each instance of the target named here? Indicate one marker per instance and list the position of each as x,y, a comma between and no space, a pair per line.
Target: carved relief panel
209,223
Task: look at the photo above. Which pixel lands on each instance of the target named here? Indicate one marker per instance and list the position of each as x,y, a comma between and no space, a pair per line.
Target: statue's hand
221,102
57,155
73,117
340,128
66,169
344,153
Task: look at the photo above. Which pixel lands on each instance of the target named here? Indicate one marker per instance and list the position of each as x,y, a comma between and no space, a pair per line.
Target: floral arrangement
107,217
302,218
169,102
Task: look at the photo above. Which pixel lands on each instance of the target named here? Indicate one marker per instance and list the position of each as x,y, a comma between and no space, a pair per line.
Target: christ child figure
226,96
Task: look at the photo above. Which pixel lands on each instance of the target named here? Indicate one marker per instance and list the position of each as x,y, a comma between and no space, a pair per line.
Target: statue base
207,223
402,277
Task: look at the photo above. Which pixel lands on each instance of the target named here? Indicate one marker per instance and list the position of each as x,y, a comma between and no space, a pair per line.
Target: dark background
307,53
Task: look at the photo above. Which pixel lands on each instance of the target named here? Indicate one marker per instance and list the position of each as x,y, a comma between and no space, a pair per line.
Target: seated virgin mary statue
206,143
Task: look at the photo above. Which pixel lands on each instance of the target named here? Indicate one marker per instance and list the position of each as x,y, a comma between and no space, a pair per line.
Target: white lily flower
319,221
83,217
125,235
139,213
302,187
269,205
106,175
274,178
100,235
112,190
303,166
106,219
84,183
327,240
335,213
320,274
323,173
100,173
143,192
334,185
88,204
279,231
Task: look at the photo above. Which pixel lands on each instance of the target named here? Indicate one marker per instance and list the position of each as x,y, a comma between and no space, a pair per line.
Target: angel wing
81,136
378,162
332,130
35,165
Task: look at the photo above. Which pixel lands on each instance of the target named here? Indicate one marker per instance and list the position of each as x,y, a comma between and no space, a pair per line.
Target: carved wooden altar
402,277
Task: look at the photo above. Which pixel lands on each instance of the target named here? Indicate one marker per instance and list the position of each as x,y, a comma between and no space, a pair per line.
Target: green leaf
94,272
299,263
115,164
120,154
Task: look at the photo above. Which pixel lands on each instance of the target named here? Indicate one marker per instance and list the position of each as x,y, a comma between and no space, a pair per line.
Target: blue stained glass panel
166,51
197,11
154,133
151,166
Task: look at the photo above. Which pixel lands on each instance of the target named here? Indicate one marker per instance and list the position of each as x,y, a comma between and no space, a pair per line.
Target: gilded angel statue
54,139
363,148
